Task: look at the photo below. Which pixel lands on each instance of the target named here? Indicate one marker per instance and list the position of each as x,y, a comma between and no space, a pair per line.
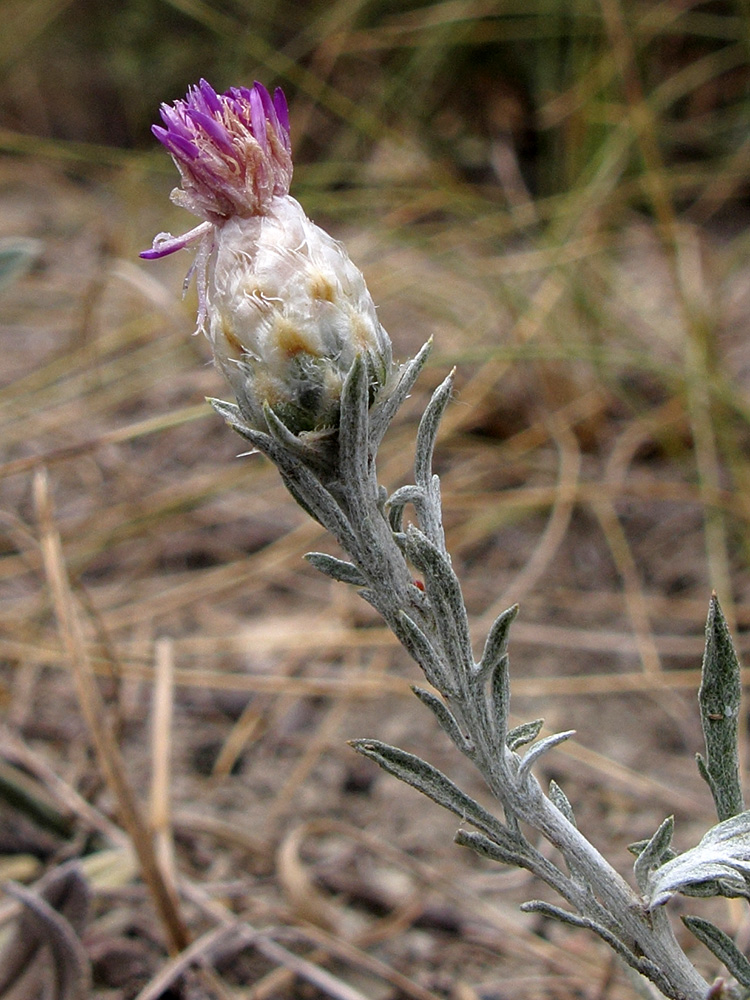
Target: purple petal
171,115
268,109
258,118
156,254
161,134
165,243
212,128
174,119
282,110
210,96
182,146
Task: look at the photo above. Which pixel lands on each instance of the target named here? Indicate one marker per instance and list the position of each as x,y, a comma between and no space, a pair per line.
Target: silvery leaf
428,428
723,853
433,783
527,732
337,569
719,698
654,852
535,752
722,946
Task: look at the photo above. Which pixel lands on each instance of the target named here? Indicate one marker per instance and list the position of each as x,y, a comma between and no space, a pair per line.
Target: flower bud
287,314
285,309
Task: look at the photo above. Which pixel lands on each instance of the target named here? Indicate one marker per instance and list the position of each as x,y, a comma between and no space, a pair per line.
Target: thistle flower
285,309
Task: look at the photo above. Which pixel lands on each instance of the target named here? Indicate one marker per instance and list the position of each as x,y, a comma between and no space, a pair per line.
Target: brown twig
95,714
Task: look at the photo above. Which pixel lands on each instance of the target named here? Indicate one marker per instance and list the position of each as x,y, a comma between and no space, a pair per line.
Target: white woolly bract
287,312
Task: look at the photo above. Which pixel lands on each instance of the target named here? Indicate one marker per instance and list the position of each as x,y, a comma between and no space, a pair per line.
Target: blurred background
558,193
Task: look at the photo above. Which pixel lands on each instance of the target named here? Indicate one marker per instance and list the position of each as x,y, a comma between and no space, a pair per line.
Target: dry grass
178,685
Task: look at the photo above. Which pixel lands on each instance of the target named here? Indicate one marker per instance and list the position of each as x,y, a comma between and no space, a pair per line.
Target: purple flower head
232,150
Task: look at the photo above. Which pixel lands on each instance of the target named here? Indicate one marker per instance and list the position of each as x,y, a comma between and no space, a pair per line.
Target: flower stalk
294,330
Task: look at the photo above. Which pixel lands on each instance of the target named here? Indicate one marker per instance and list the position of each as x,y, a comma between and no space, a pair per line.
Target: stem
614,905
343,494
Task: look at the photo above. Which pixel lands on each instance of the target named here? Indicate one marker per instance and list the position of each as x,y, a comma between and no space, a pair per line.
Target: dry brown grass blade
195,954
308,903
249,725
698,371
609,642
43,930
638,432
307,970
312,906
639,786
69,799
221,830
553,287
95,715
161,747
218,580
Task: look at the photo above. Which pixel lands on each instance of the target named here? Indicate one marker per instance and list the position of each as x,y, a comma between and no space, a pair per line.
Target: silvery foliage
333,477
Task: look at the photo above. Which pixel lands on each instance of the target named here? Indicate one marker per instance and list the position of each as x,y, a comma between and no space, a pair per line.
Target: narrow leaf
337,569
446,719
353,424
416,643
643,965
562,802
427,432
719,700
444,592
433,783
557,913
398,501
283,436
496,645
385,408
500,699
527,732
654,852
301,482
639,845
230,413
533,754
507,851
721,945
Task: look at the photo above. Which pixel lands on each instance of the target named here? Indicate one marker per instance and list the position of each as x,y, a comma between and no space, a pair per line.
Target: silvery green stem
333,477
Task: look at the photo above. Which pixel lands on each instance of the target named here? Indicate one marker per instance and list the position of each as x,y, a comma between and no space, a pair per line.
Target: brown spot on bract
361,332
230,336
291,340
321,288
